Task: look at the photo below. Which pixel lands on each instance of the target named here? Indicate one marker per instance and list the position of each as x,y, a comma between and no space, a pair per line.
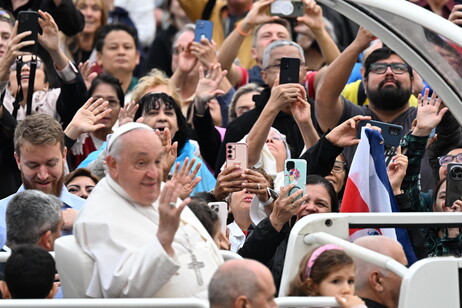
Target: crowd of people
116,132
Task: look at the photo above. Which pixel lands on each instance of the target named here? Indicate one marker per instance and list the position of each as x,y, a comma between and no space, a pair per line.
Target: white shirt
236,237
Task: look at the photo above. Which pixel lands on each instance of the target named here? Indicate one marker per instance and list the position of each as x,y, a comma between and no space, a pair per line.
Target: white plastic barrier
418,281
313,301
106,303
229,255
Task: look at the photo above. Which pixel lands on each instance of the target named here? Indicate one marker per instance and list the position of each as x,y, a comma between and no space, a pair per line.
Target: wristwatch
272,196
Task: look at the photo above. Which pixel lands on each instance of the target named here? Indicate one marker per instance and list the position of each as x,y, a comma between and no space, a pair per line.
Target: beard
56,184
389,98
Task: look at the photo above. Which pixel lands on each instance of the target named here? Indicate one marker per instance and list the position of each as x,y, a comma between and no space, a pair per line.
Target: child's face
339,282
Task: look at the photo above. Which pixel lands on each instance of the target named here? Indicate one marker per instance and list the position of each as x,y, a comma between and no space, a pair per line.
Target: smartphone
221,208
204,29
295,173
28,21
290,70
453,183
391,133
236,154
287,8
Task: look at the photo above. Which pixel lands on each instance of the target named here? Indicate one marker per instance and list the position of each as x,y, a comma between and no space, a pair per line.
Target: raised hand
13,51
258,14
282,95
256,183
87,74
228,181
186,60
49,39
127,113
344,134
301,109
429,114
170,150
313,16
397,171
456,15
86,118
208,86
205,51
186,177
363,38
285,207
169,214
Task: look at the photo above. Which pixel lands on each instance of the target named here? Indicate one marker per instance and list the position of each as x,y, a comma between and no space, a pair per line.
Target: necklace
195,264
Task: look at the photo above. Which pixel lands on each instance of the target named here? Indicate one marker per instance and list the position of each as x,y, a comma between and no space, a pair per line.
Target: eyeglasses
339,166
14,65
446,159
396,67
277,66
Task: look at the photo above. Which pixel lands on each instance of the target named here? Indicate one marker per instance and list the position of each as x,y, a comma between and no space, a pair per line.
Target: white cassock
120,236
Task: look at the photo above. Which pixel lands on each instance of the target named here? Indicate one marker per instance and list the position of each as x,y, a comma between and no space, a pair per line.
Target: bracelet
238,27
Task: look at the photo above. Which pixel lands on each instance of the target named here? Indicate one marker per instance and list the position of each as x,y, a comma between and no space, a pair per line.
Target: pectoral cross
196,265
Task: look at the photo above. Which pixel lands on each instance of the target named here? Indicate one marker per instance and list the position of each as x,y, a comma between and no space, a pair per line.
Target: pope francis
145,242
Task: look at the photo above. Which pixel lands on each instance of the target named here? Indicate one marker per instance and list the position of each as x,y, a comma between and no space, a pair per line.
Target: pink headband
318,251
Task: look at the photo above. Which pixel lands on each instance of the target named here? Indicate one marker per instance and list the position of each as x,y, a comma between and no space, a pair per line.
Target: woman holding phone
444,241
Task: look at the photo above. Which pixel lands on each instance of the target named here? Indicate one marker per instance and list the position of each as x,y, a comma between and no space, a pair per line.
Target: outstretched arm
230,47
329,107
314,19
281,96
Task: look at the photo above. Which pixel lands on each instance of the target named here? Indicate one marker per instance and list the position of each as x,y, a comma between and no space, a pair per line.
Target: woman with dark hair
268,242
81,182
443,241
160,111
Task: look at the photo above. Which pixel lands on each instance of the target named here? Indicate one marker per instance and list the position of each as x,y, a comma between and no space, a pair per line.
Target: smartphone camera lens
456,173
290,165
393,131
230,156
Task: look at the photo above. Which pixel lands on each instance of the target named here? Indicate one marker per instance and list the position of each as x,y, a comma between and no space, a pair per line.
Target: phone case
295,173
290,70
286,8
204,29
453,183
222,210
391,133
28,21
236,154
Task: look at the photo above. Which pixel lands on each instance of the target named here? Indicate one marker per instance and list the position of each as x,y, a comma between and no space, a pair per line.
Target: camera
286,8
290,165
455,172
394,131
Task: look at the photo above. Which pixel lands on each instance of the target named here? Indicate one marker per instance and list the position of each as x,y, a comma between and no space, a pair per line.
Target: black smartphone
28,21
287,9
453,183
204,29
391,133
289,70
